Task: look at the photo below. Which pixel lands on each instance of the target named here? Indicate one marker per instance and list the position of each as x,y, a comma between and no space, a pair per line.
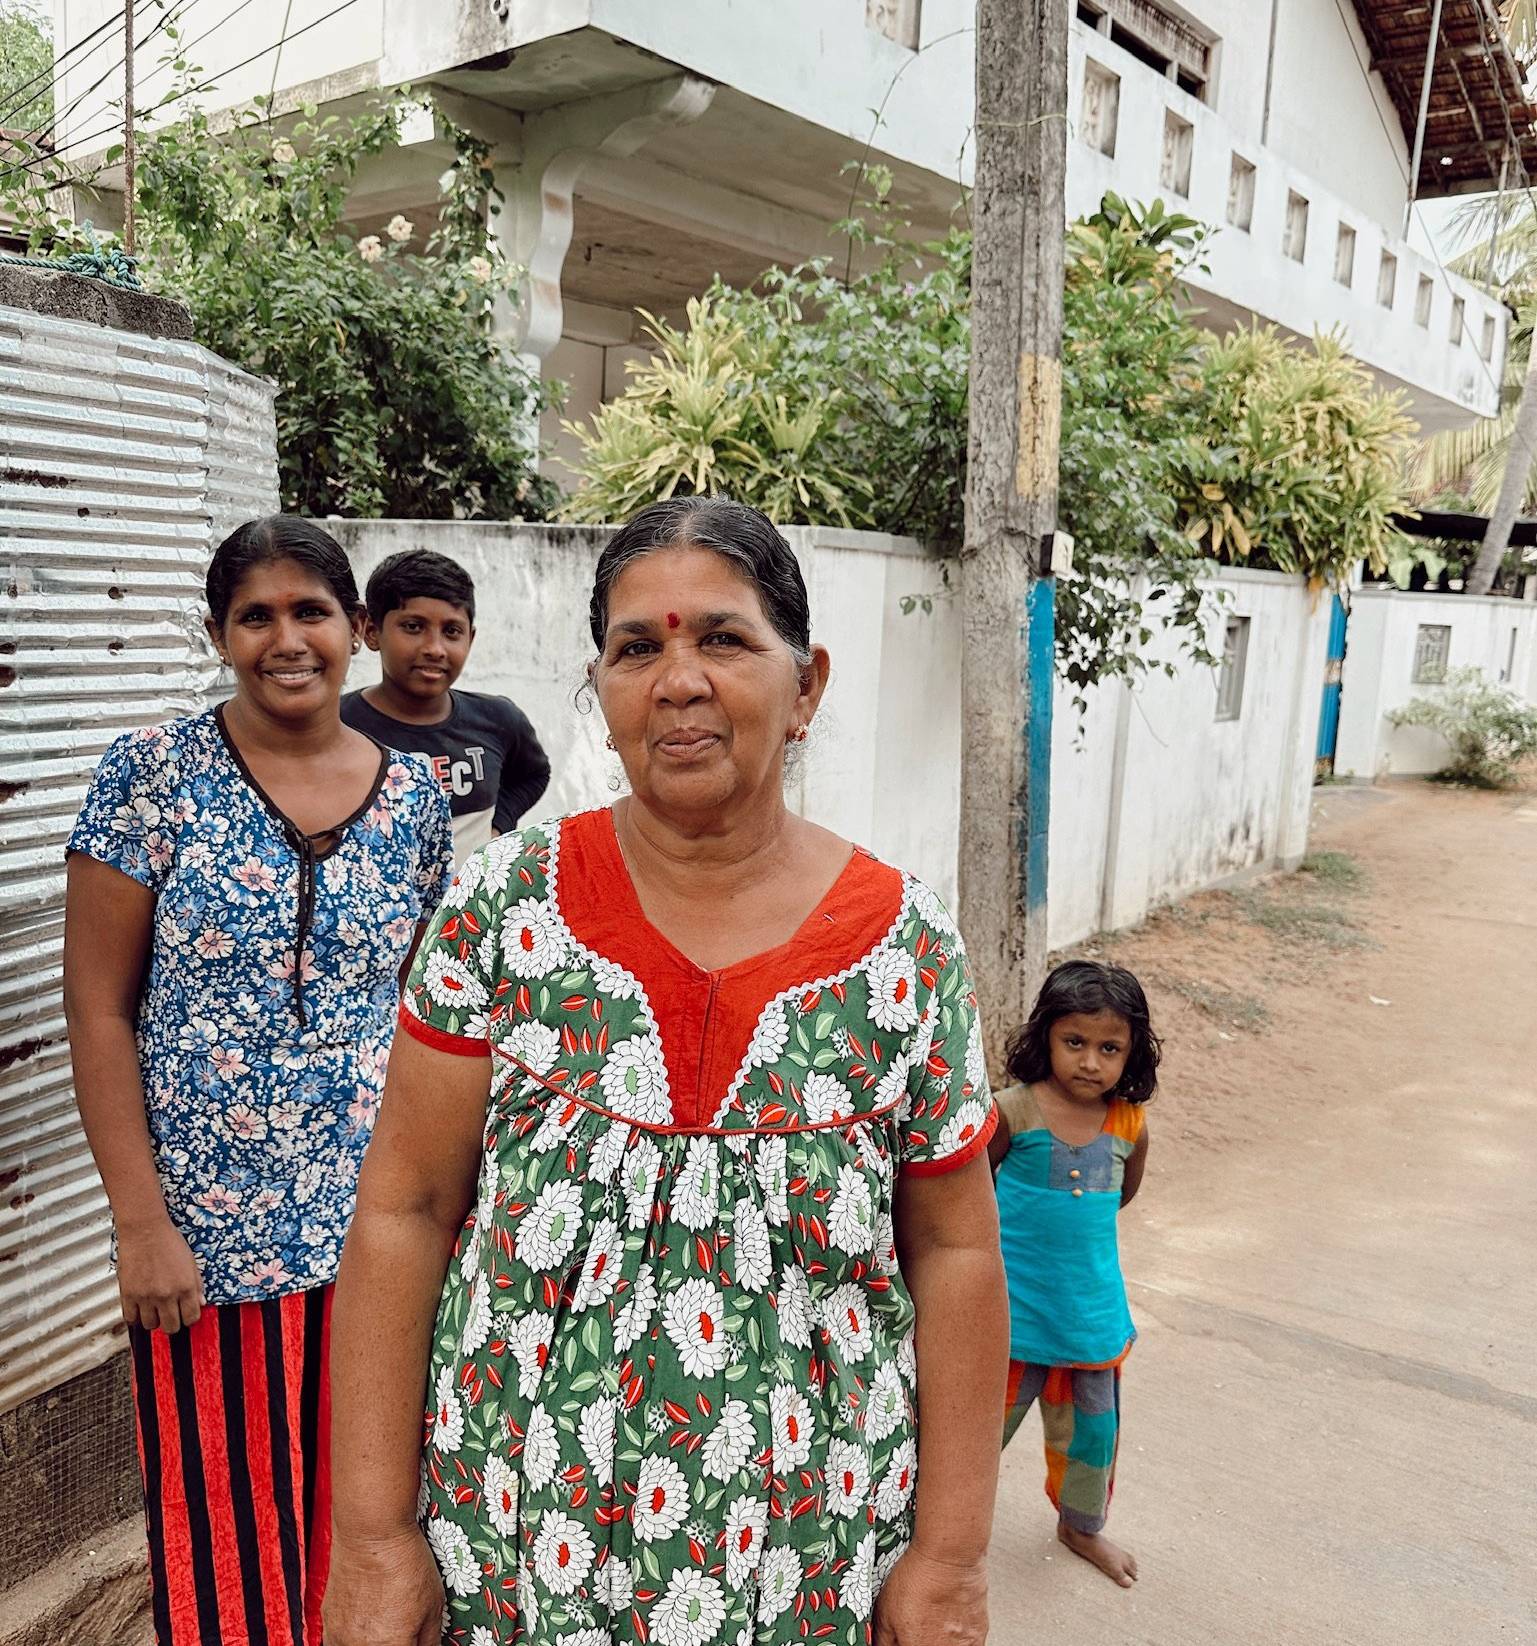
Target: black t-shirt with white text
485,754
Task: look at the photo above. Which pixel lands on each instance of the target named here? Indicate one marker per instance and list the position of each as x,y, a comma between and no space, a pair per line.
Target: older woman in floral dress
719,1077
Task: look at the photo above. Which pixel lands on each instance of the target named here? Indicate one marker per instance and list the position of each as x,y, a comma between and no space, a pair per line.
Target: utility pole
1019,218
128,126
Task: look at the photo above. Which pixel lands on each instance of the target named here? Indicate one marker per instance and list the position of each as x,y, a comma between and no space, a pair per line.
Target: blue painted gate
1329,715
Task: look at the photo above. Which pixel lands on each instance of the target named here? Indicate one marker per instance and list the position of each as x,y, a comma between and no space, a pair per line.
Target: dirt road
1330,1418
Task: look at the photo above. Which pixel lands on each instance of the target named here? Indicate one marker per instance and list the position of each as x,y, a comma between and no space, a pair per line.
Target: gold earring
609,741
799,735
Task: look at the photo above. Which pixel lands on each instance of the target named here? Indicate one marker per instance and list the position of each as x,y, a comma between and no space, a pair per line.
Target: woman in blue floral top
245,888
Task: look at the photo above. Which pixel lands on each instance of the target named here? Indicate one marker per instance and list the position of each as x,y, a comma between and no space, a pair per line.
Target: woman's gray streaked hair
742,535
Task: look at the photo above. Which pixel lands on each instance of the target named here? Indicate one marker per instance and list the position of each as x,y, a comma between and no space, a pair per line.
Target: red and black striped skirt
234,1420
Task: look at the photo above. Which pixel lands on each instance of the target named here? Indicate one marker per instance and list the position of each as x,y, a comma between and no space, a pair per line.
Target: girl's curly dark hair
1089,986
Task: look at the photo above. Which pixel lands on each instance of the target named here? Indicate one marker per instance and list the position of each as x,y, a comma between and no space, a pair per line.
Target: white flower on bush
634,1080
528,1336
893,984
795,1307
851,1217
284,153
370,248
773,1179
399,229
479,269
549,1229
456,1560
596,1431
696,1192
754,1264
635,1317
846,1315
613,1586
746,1527
896,1488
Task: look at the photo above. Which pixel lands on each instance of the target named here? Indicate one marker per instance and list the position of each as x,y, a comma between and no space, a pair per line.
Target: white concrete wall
817,59
1153,797
1379,666
1247,272
883,762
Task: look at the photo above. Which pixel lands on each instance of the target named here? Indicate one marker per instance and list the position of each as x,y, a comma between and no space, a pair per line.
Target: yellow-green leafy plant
1299,463
711,411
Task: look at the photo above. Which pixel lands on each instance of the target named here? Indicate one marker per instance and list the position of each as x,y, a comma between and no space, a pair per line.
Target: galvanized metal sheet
123,459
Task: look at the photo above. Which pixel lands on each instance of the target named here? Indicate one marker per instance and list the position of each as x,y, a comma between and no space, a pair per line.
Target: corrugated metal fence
123,459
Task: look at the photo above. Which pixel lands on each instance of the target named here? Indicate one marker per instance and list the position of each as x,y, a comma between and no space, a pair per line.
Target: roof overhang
1479,109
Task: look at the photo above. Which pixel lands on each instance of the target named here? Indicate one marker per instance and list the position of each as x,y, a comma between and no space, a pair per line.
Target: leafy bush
843,400
1491,729
712,410
1300,461
394,397
26,65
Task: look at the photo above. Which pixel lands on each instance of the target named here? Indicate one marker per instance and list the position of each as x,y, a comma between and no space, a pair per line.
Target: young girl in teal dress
1068,1154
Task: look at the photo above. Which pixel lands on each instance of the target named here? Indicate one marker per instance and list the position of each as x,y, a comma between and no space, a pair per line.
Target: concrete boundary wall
1152,796
1492,633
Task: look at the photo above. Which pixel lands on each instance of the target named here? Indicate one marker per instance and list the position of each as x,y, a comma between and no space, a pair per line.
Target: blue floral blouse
269,1004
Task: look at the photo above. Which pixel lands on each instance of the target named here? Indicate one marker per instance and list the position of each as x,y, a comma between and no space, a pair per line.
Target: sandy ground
1330,1418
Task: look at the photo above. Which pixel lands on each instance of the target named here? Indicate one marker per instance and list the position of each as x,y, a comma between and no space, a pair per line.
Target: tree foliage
1300,463
394,394
840,396
394,397
26,66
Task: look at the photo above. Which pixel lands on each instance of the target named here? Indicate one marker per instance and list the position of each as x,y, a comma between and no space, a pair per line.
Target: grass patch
1337,869
1240,1011
1308,923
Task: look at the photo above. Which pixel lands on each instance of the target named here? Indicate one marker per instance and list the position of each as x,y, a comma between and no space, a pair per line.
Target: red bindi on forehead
673,620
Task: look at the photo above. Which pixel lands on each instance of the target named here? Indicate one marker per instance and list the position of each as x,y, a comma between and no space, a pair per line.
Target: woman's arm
1136,1162
108,925
947,1242
417,1182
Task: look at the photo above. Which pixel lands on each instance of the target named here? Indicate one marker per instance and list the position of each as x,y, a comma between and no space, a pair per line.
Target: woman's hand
157,1276
385,1591
932,1602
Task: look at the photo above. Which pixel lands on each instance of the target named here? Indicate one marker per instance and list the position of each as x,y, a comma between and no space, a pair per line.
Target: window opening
1240,194
1230,675
1345,255
1432,647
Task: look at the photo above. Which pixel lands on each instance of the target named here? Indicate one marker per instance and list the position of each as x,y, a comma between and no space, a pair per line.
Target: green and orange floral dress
673,1379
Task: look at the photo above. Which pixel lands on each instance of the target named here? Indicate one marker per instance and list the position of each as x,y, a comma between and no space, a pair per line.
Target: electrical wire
60,115
165,102
26,95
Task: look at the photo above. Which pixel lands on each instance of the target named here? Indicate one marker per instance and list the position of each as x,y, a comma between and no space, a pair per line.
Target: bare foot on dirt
1118,1564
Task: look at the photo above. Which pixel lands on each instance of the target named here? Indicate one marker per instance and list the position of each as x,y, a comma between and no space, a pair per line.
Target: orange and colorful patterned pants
1081,1416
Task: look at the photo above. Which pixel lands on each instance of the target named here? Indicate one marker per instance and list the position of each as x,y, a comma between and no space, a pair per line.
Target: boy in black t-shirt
421,621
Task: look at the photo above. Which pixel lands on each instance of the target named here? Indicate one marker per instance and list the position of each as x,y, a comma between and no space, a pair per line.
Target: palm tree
1495,460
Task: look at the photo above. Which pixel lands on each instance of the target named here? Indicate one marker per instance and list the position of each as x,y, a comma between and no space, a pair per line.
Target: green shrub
1491,730
1299,461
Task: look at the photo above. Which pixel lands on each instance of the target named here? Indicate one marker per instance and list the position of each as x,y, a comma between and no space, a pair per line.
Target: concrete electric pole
1019,218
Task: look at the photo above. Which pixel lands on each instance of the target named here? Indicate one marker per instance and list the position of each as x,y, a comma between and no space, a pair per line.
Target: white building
645,146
